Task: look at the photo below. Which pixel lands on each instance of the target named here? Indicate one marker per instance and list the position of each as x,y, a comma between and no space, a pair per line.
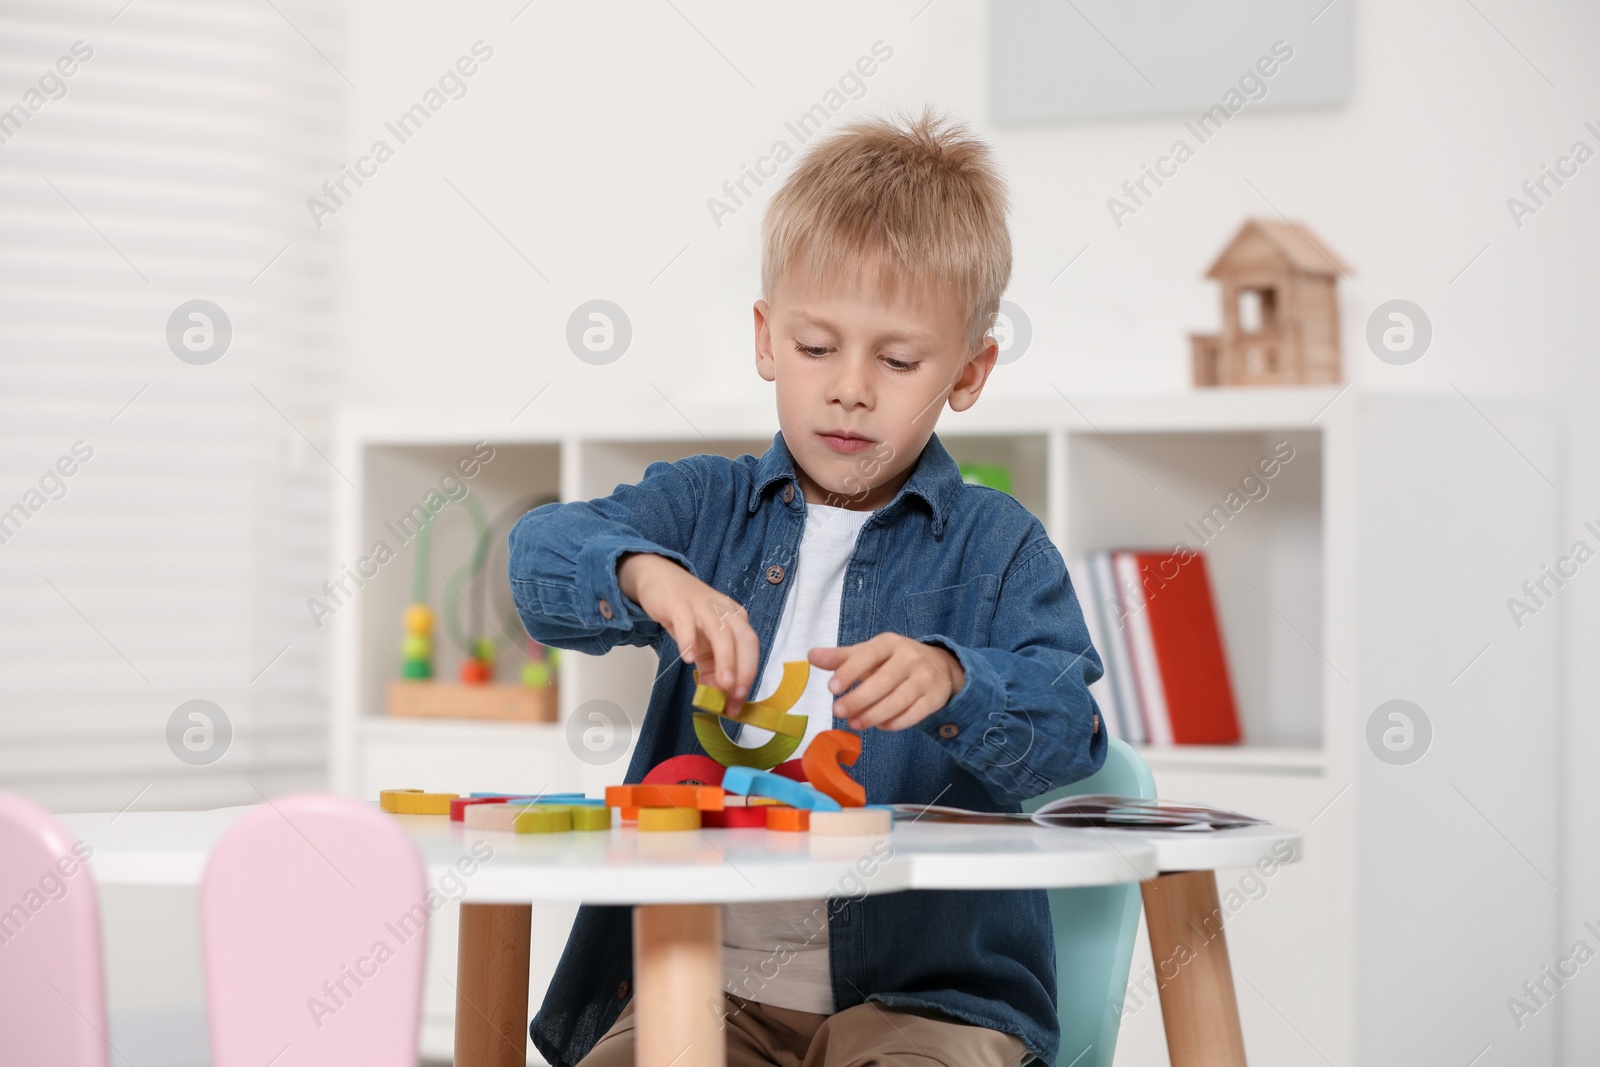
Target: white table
677,883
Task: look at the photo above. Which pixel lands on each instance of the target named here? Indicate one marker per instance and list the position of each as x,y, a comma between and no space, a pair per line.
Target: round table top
625,866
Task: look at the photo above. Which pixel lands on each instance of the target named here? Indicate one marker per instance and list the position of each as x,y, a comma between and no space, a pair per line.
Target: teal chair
1095,929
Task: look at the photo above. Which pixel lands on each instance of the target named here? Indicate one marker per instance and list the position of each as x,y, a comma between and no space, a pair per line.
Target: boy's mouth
844,440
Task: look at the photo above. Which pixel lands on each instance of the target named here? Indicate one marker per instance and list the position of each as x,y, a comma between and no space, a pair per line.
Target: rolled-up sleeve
563,559
1024,722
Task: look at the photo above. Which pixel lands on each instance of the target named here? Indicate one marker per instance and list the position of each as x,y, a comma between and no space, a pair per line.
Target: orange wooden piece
821,762
783,817
702,797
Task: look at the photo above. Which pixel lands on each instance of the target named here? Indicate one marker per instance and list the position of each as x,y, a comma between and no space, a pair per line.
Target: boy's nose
850,386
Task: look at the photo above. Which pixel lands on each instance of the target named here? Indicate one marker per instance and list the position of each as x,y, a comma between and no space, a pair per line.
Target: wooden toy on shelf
994,475
821,761
540,669
475,694
454,700
1280,310
416,648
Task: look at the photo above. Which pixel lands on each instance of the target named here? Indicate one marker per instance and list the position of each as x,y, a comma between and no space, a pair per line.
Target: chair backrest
52,975
314,920
1095,928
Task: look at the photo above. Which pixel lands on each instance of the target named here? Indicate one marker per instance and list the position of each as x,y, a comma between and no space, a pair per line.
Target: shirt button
622,989
949,729
774,574
605,609
788,493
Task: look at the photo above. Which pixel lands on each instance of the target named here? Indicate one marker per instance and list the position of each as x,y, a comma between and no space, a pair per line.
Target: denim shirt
962,566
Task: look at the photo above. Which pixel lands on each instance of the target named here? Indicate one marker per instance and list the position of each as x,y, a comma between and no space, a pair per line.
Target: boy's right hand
712,630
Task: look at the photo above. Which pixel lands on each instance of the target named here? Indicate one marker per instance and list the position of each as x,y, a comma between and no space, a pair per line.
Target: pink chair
314,922
52,979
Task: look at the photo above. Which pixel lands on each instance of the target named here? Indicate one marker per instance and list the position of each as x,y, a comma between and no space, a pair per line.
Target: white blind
172,164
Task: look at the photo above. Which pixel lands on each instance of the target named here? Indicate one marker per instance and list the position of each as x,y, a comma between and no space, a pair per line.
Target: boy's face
846,362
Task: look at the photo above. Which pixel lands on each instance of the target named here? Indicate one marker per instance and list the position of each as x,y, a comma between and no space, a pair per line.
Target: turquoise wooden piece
1095,928
750,781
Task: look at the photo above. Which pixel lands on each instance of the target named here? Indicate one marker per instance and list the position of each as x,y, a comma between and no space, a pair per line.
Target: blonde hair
922,196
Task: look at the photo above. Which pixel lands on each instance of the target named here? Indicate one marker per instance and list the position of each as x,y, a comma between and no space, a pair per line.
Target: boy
937,617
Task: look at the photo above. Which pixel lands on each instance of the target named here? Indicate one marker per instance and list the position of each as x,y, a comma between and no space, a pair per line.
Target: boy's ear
974,373
765,365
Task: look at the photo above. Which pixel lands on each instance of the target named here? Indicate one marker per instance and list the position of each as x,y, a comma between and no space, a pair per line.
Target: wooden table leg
492,985
677,981
1190,953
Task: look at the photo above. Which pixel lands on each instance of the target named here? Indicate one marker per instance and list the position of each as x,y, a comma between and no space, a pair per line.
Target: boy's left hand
902,681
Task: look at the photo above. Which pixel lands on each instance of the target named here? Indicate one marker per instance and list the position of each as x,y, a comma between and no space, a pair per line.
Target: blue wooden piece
748,781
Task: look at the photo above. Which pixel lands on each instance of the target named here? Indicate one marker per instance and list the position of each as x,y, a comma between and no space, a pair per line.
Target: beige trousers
866,1035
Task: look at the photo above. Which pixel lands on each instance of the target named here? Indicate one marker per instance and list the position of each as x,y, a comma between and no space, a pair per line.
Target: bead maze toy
475,694
732,787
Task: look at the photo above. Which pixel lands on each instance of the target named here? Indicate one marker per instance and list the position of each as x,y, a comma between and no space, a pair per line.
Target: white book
1108,604
1142,649
1102,690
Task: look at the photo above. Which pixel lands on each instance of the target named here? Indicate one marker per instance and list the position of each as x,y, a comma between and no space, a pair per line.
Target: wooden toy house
1280,310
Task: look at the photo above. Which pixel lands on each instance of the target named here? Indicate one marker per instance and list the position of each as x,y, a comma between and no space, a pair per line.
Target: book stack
1153,621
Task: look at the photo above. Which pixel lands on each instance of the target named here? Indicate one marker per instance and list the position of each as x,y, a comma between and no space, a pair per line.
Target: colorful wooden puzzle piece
747,780
415,802
560,818
823,756
794,768
686,770
667,819
459,806
867,819
769,713
736,817
783,817
651,795
501,817
708,728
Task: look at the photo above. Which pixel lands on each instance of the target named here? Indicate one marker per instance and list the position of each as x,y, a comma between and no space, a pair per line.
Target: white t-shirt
759,937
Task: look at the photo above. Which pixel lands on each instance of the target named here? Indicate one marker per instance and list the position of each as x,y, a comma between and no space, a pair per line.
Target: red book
1176,627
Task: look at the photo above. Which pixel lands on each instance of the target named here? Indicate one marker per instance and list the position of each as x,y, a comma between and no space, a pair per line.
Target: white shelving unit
1356,579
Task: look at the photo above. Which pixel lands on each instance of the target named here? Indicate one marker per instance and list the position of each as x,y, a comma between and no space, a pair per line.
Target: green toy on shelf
994,475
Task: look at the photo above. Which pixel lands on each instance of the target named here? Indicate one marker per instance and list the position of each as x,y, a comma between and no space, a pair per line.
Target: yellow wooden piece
769,713
720,747
386,798
590,817
708,697
420,803
651,819
543,819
